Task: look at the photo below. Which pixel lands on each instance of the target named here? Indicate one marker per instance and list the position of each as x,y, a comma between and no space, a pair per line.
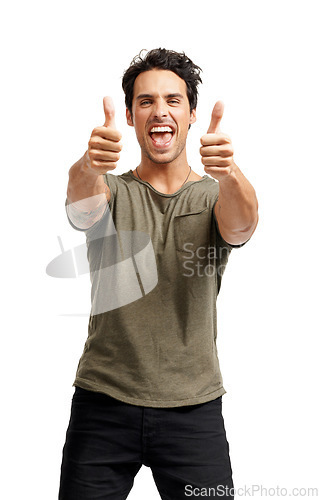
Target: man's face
160,100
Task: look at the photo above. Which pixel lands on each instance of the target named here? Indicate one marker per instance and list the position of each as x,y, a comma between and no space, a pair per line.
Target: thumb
217,115
109,112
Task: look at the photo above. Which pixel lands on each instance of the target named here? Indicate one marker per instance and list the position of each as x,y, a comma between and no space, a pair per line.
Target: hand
104,145
217,150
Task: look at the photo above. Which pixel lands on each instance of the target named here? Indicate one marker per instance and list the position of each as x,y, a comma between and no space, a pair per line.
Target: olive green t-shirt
156,263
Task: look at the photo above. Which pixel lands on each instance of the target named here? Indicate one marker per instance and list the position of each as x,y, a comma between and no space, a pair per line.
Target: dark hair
170,60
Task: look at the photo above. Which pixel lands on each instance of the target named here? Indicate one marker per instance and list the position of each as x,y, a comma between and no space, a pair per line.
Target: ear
192,118
129,118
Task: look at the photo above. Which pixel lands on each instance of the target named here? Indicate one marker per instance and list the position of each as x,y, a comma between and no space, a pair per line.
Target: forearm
83,183
237,207
87,195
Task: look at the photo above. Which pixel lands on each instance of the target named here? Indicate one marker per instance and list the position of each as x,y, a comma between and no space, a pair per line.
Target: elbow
241,235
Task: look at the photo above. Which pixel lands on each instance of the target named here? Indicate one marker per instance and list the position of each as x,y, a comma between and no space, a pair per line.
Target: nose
160,109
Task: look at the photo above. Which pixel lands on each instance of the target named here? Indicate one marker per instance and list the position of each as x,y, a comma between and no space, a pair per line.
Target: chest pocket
192,230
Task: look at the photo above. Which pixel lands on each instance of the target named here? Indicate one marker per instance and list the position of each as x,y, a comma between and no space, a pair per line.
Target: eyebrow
143,96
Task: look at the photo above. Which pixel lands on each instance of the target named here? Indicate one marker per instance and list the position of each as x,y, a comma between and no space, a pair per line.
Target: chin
162,158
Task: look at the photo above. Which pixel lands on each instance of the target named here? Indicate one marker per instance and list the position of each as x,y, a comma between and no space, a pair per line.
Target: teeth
161,129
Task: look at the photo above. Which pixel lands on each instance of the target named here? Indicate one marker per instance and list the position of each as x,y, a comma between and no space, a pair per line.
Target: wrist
85,169
231,180
83,182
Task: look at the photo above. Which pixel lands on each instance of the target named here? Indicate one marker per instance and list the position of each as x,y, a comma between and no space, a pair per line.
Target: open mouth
161,136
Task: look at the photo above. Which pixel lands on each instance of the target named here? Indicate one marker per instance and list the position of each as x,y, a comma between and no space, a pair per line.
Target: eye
173,101
146,102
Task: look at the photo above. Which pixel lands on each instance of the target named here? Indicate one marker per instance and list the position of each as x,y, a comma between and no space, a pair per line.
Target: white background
261,58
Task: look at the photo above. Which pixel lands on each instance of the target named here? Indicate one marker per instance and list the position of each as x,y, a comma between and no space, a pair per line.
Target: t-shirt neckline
184,186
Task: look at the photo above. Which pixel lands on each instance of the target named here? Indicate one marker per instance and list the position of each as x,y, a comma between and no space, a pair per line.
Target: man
148,388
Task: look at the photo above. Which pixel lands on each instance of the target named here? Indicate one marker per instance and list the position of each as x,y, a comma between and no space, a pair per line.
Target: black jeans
108,441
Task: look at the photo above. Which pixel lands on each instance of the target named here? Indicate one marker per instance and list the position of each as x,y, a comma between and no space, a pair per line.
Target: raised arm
236,209
87,193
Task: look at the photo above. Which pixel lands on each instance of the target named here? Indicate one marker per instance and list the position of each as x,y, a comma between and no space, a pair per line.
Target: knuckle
203,140
228,150
224,152
111,156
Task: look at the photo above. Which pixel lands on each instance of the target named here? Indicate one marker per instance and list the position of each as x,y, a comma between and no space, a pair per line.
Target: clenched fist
104,145
217,150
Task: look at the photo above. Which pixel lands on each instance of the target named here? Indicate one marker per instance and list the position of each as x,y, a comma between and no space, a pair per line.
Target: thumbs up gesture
217,150
104,145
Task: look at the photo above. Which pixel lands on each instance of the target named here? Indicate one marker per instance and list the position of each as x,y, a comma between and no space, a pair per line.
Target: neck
167,175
